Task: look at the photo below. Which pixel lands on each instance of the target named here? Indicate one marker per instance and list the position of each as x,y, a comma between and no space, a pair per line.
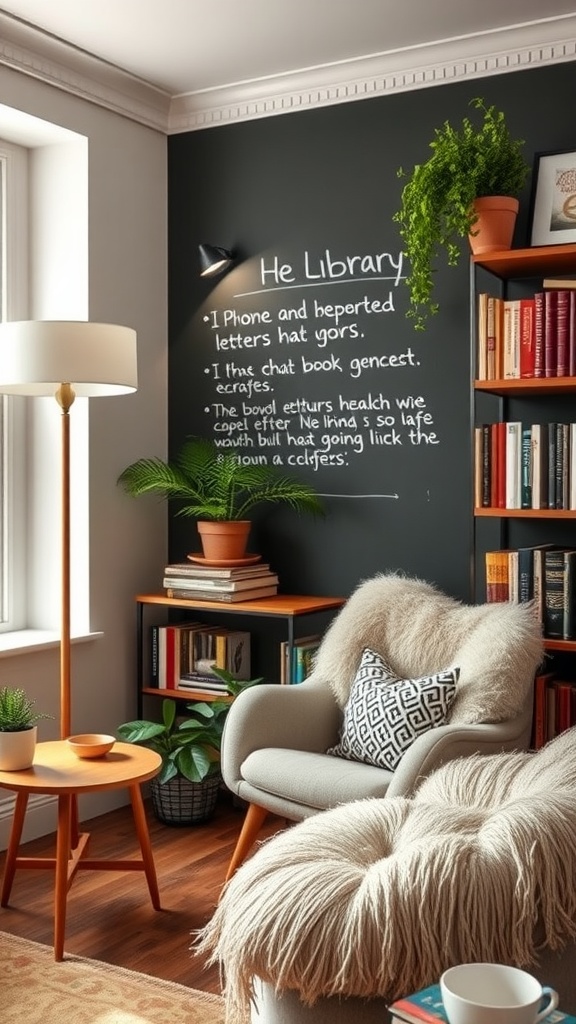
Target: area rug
34,989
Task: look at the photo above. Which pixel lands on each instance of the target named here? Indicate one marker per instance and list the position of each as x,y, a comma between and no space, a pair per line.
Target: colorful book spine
527,338
554,568
539,334
550,335
562,315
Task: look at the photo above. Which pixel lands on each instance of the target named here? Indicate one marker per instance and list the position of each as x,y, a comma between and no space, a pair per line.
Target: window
13,306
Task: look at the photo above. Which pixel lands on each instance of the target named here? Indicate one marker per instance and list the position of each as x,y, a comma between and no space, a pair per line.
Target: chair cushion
384,714
312,780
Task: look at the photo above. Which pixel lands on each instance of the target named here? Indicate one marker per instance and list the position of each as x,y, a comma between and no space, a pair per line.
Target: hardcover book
426,1007
181,593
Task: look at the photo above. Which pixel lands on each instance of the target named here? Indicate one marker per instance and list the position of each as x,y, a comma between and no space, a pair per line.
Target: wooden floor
109,914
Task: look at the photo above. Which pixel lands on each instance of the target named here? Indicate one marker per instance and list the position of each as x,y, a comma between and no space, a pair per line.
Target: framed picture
554,198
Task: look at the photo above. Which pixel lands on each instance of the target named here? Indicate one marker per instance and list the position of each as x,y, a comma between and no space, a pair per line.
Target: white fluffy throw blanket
419,631
378,897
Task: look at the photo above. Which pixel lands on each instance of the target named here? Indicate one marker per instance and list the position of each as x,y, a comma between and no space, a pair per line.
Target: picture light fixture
214,260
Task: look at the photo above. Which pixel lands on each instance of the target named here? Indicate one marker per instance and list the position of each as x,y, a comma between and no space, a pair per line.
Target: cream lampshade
66,359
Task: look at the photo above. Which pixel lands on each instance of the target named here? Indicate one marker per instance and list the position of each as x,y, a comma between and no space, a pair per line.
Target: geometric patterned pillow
385,714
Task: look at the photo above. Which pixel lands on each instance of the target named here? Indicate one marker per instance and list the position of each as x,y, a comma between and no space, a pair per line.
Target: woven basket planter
181,802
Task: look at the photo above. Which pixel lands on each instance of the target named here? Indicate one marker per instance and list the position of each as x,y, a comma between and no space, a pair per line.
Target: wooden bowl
91,744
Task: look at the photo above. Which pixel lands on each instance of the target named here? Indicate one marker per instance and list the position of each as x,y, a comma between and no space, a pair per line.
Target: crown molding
536,44
30,51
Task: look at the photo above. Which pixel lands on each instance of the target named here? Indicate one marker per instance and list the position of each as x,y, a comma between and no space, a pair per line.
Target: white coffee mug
494,994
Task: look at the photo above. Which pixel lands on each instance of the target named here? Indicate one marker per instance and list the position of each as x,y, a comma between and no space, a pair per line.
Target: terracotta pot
224,541
495,225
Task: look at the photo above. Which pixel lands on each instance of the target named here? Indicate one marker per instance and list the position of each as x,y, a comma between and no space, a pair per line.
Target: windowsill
24,640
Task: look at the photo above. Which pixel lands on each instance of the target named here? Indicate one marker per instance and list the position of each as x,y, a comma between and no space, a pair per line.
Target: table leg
145,845
61,882
14,842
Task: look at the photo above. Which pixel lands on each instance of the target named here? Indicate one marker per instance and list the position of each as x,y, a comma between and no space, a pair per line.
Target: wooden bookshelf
286,607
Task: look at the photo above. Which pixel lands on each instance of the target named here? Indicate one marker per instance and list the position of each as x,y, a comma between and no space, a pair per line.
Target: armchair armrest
448,742
302,717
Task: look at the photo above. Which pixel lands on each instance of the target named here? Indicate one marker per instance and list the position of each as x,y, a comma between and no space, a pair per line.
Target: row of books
527,338
544,574
295,668
229,584
554,707
183,654
427,1007
520,465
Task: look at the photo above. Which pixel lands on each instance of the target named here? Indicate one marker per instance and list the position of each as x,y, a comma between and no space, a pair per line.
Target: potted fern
214,487
186,789
443,198
18,730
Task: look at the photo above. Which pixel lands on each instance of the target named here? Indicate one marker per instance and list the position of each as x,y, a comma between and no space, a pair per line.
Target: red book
550,335
170,657
572,334
527,337
563,706
539,720
539,334
562,313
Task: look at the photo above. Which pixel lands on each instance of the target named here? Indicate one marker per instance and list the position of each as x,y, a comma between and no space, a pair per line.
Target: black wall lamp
213,260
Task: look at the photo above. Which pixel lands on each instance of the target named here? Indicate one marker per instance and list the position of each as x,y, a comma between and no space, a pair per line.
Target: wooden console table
58,772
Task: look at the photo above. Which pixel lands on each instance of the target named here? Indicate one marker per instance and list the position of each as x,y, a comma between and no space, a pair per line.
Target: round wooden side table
58,772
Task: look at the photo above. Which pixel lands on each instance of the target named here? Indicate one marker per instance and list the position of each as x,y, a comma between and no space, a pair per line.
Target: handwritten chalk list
307,369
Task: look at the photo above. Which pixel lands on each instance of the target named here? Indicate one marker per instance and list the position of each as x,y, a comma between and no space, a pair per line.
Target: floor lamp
66,359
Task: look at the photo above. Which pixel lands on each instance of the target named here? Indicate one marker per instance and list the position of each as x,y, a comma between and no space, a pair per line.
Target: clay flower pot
494,228
224,541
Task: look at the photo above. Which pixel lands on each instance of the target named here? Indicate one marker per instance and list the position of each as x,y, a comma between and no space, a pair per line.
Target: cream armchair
276,737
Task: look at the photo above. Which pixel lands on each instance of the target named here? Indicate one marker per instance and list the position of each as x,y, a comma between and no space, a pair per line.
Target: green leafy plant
214,485
437,200
17,711
188,746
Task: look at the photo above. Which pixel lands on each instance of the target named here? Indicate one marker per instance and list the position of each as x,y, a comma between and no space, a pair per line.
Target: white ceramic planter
17,749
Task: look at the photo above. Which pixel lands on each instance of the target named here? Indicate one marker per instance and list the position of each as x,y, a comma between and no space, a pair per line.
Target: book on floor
426,1007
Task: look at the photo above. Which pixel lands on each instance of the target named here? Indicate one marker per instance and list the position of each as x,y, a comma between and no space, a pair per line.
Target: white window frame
14,196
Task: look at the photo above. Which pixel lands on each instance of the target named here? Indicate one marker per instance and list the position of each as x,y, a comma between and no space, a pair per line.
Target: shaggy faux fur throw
378,897
419,631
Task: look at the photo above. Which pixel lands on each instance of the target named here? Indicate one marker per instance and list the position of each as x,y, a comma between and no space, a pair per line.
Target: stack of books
195,582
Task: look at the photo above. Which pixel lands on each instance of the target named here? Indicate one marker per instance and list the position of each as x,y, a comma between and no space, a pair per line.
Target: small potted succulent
214,487
18,730
186,789
439,203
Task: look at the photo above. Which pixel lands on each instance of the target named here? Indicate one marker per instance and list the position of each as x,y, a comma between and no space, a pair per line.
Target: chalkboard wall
302,355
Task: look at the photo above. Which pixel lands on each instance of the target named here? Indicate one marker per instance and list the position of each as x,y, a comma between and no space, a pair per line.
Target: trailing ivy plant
436,208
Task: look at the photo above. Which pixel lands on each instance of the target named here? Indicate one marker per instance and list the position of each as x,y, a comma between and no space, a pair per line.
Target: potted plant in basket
443,199
186,789
218,490
18,730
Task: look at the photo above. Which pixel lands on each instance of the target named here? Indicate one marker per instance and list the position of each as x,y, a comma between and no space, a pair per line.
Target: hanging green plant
437,202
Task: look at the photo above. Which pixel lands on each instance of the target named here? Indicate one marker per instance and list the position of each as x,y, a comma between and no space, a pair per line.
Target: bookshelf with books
250,618
524,452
